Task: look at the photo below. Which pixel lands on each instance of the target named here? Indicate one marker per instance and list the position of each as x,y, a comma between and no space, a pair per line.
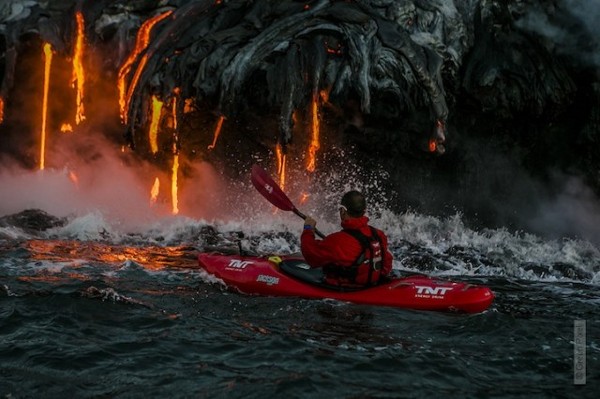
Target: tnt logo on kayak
239,264
424,291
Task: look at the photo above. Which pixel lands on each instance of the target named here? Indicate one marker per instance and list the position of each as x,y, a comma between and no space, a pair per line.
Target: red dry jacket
342,249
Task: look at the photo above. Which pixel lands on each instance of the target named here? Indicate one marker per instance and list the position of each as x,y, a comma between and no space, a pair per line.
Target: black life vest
371,256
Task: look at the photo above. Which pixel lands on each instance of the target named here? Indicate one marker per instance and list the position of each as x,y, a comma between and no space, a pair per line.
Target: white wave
507,250
13,233
89,227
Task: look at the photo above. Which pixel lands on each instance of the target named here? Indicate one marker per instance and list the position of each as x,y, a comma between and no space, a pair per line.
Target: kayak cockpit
300,270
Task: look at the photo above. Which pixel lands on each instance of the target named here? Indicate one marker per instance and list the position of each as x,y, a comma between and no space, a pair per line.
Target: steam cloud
577,36
97,177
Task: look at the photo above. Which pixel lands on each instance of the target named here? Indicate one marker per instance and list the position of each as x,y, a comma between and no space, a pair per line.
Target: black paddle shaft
303,216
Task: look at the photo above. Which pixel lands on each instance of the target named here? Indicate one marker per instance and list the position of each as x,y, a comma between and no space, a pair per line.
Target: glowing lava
432,145
73,177
174,199
175,169
142,40
280,165
217,132
153,133
47,65
154,191
66,128
303,198
315,132
78,79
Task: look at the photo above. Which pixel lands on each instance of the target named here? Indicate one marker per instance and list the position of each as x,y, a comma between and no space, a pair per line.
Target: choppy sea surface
89,311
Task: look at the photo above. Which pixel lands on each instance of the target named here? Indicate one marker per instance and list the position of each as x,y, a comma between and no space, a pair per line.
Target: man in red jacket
356,256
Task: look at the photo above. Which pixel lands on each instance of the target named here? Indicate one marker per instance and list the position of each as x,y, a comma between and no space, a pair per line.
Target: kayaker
356,256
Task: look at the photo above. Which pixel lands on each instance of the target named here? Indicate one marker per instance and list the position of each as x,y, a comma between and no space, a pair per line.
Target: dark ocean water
131,316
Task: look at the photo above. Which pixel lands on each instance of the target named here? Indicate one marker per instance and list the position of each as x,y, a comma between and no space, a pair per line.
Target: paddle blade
270,190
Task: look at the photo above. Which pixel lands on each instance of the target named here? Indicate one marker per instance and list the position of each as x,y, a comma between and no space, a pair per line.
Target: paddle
271,191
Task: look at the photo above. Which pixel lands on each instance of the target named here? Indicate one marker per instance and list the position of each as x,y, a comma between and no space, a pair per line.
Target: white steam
95,176
573,212
581,40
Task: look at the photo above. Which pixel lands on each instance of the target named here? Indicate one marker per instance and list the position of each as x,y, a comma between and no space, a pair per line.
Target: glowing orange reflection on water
79,254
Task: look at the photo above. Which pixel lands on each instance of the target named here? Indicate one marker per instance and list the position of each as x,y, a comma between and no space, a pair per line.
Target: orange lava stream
153,133
315,131
73,177
1,110
304,198
217,132
66,128
154,191
174,112
78,78
136,78
432,145
174,199
280,165
47,65
141,43
175,169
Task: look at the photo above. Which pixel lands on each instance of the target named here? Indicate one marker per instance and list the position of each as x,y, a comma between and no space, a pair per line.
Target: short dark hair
355,203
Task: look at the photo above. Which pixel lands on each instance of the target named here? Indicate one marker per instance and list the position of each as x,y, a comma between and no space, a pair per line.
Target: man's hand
310,222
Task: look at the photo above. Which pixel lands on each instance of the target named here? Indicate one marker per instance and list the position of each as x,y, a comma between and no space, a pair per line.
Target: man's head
354,203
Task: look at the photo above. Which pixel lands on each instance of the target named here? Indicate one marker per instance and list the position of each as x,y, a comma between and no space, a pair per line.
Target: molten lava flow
1,110
73,177
175,169
438,138
432,145
175,201
303,198
66,128
47,65
78,79
217,132
280,165
176,93
132,86
188,105
315,128
141,42
153,133
154,191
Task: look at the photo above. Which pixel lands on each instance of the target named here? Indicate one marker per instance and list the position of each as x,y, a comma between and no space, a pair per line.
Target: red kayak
291,276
